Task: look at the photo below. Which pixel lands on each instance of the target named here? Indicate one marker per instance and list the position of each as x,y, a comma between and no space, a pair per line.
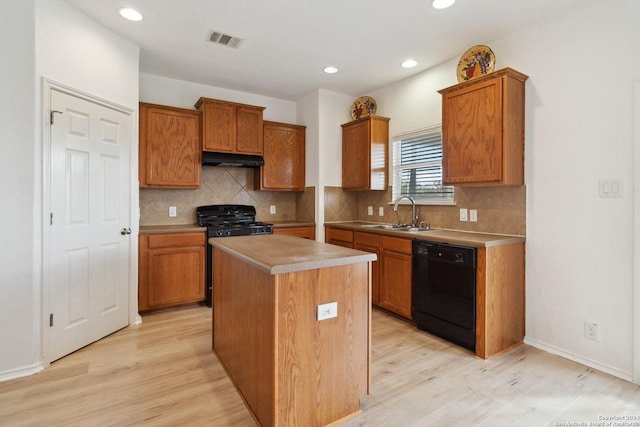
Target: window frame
445,197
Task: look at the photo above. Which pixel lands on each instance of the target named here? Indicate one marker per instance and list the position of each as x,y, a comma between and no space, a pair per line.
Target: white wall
17,182
579,129
43,38
178,93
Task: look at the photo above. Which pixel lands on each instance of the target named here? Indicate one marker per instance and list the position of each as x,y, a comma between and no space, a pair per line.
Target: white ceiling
287,43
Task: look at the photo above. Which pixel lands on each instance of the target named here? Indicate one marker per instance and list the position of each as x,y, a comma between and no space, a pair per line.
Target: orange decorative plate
475,62
363,107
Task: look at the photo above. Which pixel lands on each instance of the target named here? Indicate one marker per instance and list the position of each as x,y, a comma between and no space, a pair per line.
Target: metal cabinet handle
125,231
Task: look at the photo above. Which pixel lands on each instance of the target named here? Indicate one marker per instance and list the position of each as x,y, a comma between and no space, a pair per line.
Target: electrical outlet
369,210
380,211
463,214
327,311
272,209
591,331
172,212
473,215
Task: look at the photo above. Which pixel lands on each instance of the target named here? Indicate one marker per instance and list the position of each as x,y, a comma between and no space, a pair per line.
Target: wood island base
290,368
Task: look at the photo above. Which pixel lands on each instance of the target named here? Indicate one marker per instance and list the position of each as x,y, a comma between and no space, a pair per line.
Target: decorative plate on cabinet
363,107
475,62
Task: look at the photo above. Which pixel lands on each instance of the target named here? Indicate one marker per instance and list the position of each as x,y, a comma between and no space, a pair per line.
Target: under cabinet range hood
231,159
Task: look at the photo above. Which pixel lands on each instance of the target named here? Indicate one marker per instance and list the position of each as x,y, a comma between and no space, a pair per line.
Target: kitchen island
290,367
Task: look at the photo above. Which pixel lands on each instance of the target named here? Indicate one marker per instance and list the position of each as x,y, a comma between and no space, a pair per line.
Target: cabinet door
172,268
170,153
249,130
284,157
472,134
356,157
218,127
395,276
370,242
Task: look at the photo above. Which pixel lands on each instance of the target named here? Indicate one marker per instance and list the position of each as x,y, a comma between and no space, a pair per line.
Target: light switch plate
272,209
463,215
610,188
172,212
473,215
328,310
369,210
380,211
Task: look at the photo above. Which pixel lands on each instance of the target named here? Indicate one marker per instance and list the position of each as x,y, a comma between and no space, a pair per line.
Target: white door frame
636,231
47,86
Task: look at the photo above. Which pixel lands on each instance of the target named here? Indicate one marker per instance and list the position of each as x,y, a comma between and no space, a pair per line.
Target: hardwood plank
163,373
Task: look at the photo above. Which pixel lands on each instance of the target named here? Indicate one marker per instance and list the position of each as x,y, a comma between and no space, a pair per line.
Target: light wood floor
163,373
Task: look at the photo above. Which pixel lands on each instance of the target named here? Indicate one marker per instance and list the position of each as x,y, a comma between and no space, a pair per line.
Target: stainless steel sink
396,227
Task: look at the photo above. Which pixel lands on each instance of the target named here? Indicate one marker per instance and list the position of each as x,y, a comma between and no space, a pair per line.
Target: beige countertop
468,238
277,254
179,228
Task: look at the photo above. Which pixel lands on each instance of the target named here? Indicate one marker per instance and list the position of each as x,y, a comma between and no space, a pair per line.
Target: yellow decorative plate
363,107
475,62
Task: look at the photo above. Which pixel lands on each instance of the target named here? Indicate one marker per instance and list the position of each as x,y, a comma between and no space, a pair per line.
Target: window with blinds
417,167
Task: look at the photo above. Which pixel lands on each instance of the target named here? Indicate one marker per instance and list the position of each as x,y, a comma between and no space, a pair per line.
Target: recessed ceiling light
409,63
330,70
131,14
442,4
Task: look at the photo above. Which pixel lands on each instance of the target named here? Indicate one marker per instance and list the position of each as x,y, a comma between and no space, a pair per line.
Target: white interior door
87,282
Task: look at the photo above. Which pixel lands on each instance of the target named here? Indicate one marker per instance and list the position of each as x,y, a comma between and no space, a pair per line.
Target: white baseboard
21,372
627,376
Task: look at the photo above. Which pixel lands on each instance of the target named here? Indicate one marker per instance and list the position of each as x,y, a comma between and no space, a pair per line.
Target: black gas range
227,221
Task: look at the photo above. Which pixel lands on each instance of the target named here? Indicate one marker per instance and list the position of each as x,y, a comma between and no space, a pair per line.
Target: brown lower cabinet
395,275
500,297
171,269
307,232
391,274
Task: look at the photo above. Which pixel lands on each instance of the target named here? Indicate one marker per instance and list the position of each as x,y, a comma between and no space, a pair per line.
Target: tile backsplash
225,185
500,209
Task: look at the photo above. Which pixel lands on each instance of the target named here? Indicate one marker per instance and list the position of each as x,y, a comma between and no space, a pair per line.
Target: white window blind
417,167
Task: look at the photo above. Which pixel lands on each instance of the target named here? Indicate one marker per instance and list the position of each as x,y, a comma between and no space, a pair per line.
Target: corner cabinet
365,154
171,269
229,127
169,152
391,273
483,130
284,158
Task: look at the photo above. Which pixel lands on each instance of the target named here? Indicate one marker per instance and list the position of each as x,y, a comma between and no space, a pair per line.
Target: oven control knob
459,257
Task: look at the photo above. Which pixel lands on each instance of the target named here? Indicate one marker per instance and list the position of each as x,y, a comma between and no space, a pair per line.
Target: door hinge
51,218
51,115
51,320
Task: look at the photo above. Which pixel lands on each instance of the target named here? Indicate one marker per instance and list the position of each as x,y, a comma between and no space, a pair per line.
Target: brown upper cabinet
483,130
228,127
365,154
284,158
169,152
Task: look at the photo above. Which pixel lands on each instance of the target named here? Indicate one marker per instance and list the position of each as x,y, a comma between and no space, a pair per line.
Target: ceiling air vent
224,39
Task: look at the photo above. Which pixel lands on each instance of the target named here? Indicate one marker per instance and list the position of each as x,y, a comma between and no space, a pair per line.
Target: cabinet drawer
339,234
366,239
304,232
177,239
396,244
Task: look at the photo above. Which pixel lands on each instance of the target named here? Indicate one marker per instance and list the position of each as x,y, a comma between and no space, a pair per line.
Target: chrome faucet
414,215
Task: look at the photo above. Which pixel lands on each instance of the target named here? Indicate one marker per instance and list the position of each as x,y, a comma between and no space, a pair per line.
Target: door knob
125,231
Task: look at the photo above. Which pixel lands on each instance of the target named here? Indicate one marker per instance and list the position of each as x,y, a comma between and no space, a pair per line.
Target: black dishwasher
443,291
